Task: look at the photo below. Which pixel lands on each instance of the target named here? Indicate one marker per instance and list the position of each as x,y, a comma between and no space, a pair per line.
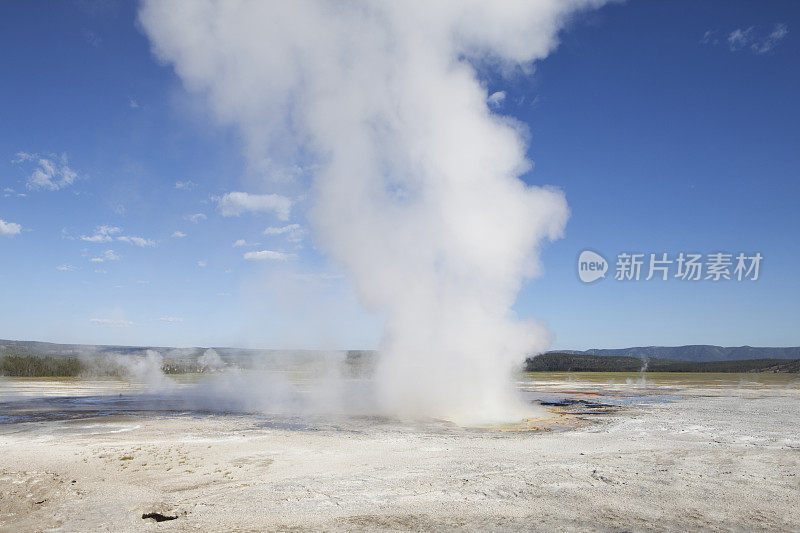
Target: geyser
415,185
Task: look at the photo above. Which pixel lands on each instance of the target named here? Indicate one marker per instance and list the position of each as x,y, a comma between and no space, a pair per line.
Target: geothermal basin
610,452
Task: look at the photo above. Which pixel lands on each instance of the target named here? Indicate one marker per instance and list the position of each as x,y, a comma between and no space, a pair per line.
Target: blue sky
671,127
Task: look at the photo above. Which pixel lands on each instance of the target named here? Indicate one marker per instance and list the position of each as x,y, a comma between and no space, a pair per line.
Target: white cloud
778,33
185,185
106,234
133,104
293,232
272,230
739,38
108,255
9,228
179,235
242,242
50,172
751,38
102,234
8,192
202,263
195,218
137,241
496,99
65,268
111,322
268,255
236,203
171,319
710,37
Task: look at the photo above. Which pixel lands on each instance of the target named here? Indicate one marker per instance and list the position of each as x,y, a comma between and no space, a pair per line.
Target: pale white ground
713,458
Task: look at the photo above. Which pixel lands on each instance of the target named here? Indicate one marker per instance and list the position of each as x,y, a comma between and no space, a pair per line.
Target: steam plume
416,190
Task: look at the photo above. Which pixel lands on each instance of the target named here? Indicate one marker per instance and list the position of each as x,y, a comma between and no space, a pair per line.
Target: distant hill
42,359
55,349
696,352
238,355
569,362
